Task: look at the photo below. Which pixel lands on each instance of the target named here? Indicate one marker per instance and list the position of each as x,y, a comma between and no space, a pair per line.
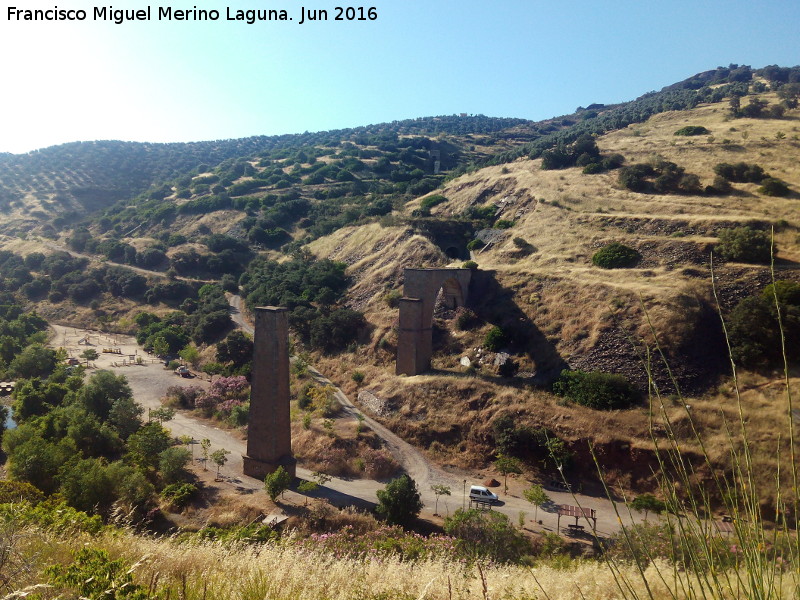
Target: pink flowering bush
225,394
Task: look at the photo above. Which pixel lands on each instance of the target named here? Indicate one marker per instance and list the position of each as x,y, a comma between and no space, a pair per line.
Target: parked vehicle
478,493
183,371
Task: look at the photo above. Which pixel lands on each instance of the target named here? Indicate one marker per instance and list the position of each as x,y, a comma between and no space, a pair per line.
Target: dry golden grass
281,571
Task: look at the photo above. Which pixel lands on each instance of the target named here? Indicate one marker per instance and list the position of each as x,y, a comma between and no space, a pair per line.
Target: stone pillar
269,436
413,354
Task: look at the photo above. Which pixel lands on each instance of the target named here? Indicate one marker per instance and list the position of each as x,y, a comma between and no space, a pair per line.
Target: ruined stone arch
415,336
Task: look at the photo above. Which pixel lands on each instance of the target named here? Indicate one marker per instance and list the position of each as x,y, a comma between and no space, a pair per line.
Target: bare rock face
492,482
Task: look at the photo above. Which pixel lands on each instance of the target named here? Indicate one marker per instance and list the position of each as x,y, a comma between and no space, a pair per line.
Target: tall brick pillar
414,345
269,437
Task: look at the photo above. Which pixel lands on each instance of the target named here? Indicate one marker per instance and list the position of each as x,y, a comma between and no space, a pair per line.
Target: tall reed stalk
761,558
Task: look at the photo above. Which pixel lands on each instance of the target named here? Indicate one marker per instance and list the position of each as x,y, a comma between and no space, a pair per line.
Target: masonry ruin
420,290
269,437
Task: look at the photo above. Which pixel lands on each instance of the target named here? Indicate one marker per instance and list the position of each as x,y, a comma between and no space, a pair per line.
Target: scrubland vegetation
591,351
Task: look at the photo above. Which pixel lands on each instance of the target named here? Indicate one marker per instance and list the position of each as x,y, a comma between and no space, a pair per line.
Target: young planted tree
439,490
506,465
205,447
536,496
277,482
219,458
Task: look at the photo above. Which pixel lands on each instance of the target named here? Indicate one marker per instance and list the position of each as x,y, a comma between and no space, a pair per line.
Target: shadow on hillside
495,304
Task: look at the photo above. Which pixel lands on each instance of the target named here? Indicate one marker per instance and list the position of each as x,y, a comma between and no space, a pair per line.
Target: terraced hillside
558,309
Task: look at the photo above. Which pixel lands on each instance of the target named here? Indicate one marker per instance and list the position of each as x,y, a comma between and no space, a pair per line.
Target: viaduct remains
420,290
269,437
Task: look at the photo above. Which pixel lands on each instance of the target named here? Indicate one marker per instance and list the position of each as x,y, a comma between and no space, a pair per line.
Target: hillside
560,310
148,226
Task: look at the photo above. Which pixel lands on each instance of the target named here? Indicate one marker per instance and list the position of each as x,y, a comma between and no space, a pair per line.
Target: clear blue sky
186,81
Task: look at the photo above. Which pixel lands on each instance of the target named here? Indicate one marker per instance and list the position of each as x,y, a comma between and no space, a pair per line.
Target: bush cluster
692,130
745,244
595,389
659,176
616,256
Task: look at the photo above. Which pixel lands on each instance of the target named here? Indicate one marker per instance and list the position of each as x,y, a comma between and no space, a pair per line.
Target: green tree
399,502
126,417
219,458
146,445
439,490
536,496
34,361
162,414
205,447
744,244
172,464
506,465
101,391
277,482
191,355
646,503
236,349
89,354
86,485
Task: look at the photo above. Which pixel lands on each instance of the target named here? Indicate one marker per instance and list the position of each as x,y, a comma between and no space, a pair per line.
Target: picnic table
578,512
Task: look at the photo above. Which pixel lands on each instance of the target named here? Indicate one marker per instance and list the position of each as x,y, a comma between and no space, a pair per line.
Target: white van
478,493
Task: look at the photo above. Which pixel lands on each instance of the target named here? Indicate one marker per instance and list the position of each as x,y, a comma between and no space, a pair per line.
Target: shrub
740,172
392,298
178,495
475,245
595,389
465,319
305,397
592,169
94,575
616,256
487,534
495,339
692,130
745,244
470,264
358,377
772,186
19,491
431,201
